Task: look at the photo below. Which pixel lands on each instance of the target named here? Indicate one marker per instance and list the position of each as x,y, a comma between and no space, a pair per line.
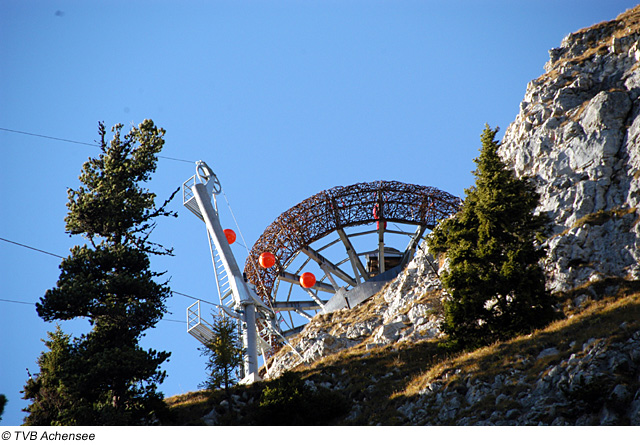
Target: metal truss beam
328,266
295,279
339,208
413,244
358,268
293,305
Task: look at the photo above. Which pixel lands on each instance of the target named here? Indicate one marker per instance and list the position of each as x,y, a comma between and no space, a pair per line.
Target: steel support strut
240,290
327,265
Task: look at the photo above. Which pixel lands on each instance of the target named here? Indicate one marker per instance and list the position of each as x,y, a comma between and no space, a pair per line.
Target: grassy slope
380,379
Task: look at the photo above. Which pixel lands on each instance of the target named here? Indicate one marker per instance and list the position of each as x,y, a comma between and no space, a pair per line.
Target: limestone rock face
577,136
406,309
587,388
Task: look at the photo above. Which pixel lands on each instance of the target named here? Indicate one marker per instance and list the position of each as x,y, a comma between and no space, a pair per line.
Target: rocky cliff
577,136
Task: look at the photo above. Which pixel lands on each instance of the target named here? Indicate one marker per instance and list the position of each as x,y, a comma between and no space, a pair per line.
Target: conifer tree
3,402
50,392
105,377
224,354
493,245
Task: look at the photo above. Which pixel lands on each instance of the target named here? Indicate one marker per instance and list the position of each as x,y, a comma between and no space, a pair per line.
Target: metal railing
196,326
188,198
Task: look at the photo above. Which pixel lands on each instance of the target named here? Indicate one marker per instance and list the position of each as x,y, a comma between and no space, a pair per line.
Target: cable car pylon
199,196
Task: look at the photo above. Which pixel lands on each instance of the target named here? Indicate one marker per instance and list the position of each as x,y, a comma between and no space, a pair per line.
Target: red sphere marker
231,235
307,280
267,260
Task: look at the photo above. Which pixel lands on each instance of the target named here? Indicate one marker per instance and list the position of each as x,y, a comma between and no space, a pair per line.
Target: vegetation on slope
374,383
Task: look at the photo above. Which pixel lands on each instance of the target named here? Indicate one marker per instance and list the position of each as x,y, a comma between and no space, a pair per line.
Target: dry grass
380,379
602,320
189,408
600,217
625,24
188,398
401,371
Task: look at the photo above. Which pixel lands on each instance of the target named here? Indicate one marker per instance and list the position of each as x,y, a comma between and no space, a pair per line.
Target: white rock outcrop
589,387
577,136
406,309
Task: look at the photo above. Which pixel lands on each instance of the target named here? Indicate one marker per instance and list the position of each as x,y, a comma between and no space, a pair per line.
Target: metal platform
196,326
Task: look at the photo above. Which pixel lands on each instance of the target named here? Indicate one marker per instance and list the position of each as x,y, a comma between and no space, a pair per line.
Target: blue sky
283,99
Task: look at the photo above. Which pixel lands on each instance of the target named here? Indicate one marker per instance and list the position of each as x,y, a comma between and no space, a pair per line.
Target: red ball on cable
307,280
267,260
231,235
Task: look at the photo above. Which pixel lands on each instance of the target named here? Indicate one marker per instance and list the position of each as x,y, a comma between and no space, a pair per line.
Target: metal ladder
225,292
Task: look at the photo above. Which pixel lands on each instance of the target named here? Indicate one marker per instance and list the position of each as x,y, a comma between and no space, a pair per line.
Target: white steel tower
237,298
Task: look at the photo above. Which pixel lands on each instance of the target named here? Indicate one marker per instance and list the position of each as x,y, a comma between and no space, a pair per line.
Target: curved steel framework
332,211
252,297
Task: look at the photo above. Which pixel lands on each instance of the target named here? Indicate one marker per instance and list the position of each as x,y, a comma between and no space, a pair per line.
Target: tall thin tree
106,376
224,354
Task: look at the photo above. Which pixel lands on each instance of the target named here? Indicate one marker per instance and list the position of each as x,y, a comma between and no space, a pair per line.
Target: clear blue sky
282,99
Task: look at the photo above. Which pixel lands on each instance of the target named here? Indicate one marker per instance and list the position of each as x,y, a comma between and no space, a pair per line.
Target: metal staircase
236,298
223,285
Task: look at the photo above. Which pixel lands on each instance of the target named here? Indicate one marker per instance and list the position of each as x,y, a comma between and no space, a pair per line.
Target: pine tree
3,402
224,355
50,392
493,245
105,377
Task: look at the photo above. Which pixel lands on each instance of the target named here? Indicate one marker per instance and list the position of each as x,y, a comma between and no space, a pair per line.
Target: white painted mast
199,196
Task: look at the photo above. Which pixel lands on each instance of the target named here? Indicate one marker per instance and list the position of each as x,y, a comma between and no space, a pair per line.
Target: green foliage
111,285
284,394
496,284
104,377
224,355
287,401
49,390
111,203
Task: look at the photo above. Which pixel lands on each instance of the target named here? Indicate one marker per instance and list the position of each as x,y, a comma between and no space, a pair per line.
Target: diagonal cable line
49,137
79,142
16,301
58,256
3,300
32,248
193,298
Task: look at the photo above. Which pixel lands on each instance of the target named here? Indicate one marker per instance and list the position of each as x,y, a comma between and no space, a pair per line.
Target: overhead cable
32,248
79,142
58,256
3,300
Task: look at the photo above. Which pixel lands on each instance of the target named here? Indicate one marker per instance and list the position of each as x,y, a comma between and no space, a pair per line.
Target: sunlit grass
378,379
602,320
